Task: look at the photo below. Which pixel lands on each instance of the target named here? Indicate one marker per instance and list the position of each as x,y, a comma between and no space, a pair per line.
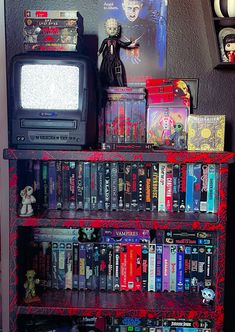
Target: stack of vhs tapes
125,113
52,30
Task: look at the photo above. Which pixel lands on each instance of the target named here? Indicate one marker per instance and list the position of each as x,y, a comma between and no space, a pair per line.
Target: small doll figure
178,137
166,123
229,47
111,68
29,285
227,44
208,295
27,200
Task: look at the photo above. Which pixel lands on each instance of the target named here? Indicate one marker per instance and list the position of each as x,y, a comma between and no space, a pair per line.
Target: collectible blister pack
165,124
168,107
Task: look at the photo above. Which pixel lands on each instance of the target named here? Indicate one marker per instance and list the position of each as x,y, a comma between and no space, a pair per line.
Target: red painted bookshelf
104,303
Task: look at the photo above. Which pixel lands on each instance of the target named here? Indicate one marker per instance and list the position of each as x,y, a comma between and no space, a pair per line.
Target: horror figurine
111,68
208,295
29,285
27,200
87,234
178,137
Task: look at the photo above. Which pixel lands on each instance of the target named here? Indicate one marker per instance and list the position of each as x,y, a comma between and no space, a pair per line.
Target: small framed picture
192,84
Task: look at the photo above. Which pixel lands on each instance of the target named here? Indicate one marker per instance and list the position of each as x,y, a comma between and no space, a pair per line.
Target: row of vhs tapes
110,324
122,260
125,324
130,186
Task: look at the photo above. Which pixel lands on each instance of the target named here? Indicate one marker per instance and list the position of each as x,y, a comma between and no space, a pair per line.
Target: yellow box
206,132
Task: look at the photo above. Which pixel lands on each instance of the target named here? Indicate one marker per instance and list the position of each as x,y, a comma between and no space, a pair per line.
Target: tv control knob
20,138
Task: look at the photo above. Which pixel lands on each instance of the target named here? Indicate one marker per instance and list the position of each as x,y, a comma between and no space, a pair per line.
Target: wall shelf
213,25
170,156
133,304
123,219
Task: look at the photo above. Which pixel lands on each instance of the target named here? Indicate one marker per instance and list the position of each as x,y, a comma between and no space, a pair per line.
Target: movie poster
142,21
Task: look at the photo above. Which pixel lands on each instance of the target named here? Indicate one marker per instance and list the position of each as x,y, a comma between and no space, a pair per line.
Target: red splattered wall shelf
70,302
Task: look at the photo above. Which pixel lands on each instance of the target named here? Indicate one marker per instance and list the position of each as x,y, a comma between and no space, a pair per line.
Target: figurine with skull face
87,234
111,69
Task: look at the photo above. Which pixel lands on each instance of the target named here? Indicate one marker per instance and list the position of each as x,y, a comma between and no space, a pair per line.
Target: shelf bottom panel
123,219
134,304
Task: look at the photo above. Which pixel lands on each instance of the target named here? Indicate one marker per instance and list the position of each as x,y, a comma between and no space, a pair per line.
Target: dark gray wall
187,56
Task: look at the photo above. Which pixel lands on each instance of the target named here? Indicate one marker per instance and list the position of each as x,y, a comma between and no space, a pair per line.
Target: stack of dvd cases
125,113
52,30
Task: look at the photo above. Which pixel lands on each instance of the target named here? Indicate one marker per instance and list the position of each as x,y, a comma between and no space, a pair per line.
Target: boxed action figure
168,107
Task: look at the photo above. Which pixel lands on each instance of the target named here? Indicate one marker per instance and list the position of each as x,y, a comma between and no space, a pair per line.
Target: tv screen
52,101
49,87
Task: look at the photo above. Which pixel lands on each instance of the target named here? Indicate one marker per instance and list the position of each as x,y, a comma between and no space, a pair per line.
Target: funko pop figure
229,47
208,295
227,44
88,233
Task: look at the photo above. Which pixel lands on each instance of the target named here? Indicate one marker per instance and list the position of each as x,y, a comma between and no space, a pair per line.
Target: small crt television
52,101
